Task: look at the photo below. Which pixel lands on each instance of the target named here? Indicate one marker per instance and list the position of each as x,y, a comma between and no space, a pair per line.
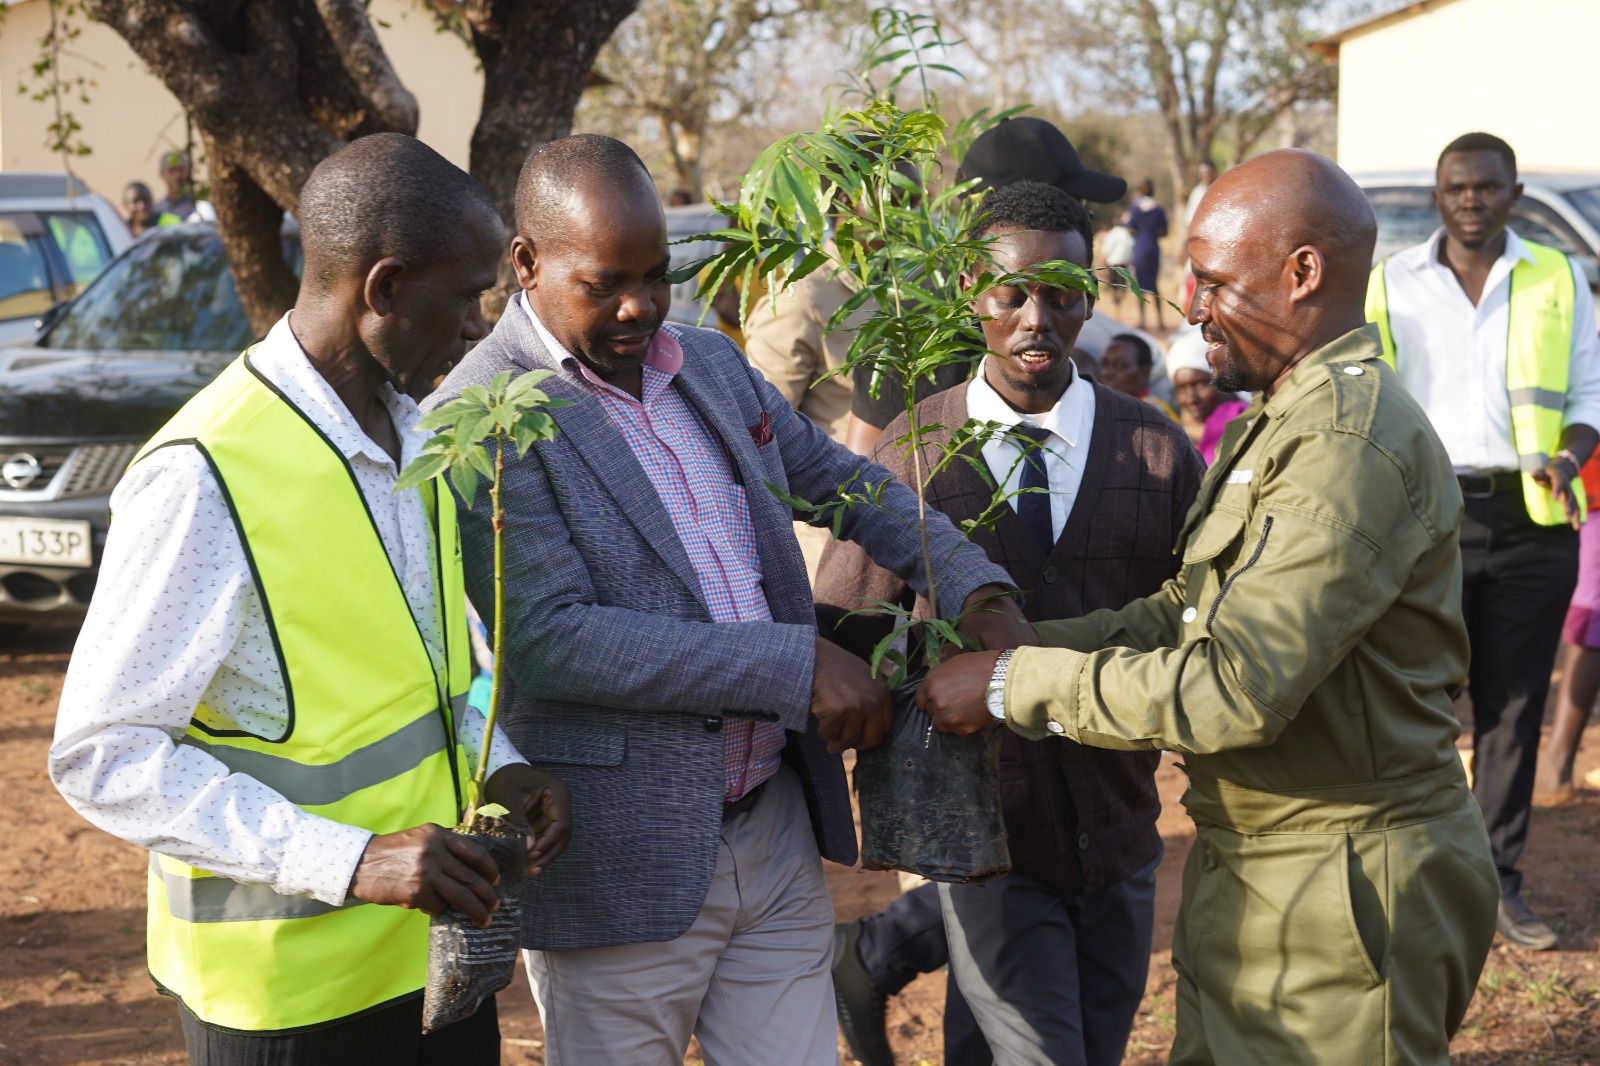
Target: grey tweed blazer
619,680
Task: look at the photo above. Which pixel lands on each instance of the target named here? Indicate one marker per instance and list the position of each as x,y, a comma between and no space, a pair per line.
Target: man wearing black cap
1014,149
1031,149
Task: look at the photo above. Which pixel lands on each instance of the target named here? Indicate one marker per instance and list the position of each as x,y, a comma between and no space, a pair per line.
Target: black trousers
1518,578
908,939
1053,980
387,1036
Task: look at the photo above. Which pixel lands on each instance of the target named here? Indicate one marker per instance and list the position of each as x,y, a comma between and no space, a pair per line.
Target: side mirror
1590,265
44,322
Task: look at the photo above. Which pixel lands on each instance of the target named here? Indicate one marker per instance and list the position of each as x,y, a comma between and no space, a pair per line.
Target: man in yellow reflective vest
270,687
1495,336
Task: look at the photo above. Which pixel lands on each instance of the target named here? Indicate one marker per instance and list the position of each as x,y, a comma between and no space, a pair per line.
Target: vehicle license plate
50,541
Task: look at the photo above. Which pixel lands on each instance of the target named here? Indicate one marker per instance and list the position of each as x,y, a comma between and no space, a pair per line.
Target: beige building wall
1520,69
131,118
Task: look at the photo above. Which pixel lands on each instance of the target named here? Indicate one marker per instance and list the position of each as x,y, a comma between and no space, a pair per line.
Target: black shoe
860,1005
1522,927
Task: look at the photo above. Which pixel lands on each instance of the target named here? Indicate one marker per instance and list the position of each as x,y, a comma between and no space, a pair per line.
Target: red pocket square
761,432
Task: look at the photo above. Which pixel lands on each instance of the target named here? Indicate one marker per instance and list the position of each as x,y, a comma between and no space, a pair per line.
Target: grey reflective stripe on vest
1548,398
219,899
313,785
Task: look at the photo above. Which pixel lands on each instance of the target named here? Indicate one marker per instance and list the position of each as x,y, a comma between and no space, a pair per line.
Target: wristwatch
1566,454
995,697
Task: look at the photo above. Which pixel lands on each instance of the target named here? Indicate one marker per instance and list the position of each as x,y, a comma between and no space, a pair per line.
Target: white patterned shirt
176,622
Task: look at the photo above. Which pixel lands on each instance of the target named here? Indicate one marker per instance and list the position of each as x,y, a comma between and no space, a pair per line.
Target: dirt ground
73,988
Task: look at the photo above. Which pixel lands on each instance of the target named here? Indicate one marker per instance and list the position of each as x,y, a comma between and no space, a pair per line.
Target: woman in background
1206,412
1147,221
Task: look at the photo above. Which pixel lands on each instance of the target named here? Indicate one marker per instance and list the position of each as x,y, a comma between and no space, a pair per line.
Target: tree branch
363,56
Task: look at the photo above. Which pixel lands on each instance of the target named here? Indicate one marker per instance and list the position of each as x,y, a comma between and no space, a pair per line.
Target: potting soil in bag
467,965
930,802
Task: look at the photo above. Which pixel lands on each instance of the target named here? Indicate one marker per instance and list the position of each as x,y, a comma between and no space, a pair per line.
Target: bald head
591,253
561,173
1293,198
387,195
1281,246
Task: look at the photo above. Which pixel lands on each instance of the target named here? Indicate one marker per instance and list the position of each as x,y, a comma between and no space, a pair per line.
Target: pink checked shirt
689,469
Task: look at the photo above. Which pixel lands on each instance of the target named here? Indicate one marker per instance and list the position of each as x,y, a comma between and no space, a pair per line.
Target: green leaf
815,258
790,500
526,382
479,457
423,468
465,480
446,414
492,810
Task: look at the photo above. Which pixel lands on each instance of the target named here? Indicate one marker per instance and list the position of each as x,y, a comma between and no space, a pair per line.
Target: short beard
1028,383
1230,377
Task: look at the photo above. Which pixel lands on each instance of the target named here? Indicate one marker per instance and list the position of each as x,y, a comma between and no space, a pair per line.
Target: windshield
1587,201
172,291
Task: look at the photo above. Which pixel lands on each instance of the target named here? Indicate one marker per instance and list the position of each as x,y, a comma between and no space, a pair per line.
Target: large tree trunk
536,56
273,86
252,222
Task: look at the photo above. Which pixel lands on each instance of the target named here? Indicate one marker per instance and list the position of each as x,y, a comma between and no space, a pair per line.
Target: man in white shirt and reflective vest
1495,337
270,687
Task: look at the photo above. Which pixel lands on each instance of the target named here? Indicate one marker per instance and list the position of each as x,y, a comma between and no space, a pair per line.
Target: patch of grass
1493,981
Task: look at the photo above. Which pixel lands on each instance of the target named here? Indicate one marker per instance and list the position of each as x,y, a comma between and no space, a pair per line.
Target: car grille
96,468
66,472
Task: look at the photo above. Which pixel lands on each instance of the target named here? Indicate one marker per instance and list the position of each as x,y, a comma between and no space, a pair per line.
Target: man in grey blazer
663,651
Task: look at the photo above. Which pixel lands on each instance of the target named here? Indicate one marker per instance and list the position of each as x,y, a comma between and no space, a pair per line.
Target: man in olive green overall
1340,898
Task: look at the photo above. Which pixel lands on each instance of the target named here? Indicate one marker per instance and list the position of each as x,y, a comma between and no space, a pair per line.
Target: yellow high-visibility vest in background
1542,302
370,738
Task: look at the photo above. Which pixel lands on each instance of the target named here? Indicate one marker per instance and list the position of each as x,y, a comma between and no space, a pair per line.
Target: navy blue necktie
1034,507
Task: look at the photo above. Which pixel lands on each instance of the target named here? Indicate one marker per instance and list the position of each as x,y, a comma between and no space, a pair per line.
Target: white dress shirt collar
283,362
1452,352
1424,258
1070,423
1064,419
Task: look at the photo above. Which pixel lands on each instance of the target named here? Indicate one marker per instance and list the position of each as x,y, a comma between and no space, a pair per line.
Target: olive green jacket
1313,636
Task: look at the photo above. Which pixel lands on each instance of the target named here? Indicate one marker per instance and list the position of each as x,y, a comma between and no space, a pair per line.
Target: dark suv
112,366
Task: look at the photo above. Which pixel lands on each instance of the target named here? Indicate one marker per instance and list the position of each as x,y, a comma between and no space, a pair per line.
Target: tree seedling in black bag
466,964
863,200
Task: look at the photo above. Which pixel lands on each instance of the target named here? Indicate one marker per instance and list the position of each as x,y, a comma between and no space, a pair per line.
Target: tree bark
536,57
253,223
273,89
274,86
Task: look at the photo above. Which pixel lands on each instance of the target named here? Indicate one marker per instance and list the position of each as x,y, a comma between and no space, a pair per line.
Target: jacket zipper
1266,528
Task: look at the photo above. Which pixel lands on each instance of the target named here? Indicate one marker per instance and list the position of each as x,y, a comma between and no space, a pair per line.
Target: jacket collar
1360,345
591,433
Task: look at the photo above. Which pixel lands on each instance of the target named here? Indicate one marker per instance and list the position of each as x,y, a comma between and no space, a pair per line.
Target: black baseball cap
1031,149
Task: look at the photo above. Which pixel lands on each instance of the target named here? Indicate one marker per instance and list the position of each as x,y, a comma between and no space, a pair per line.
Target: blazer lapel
589,430
721,413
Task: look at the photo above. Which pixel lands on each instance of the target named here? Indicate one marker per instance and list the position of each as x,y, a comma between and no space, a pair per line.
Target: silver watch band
995,697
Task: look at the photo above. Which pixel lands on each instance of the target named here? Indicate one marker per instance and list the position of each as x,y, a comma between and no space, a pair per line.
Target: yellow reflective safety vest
1538,358
370,739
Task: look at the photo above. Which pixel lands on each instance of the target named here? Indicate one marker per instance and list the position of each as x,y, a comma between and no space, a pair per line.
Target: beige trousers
751,977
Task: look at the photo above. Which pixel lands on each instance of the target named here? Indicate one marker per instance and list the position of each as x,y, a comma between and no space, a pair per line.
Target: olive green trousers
1340,926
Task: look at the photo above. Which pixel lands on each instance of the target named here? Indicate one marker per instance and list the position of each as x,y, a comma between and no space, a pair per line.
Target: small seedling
507,411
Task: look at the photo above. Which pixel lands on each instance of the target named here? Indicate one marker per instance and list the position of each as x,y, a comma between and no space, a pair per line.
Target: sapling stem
498,521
